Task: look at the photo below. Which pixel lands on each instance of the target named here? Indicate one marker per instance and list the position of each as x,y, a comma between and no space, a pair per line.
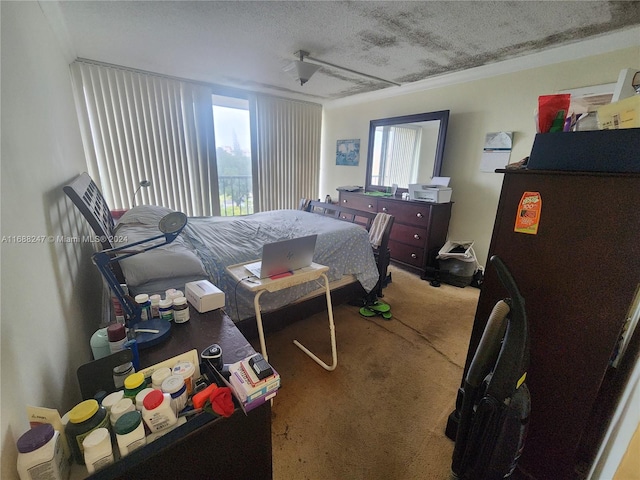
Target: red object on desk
281,275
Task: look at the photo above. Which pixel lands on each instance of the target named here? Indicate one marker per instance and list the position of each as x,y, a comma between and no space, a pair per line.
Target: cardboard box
622,114
204,295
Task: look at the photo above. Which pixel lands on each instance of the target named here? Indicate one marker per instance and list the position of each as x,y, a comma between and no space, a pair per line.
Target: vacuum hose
489,346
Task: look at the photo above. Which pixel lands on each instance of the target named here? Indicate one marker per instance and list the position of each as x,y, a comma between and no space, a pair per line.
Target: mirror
406,149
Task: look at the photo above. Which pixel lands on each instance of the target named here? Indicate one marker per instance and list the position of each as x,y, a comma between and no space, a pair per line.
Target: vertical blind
288,151
143,126
403,146
138,126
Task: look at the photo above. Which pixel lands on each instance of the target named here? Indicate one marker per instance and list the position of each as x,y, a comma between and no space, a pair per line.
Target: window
232,127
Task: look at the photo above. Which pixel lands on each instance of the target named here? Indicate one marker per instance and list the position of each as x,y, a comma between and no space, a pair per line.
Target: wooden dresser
419,230
578,276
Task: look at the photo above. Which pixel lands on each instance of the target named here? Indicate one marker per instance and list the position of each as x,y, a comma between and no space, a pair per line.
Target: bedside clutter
242,441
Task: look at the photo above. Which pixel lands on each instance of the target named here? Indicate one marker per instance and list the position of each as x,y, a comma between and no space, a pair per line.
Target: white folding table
297,277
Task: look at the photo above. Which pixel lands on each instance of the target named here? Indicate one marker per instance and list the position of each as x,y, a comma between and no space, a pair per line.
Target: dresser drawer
406,253
359,202
411,213
409,234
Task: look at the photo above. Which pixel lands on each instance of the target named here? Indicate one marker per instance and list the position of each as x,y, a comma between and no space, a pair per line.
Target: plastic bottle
180,310
84,418
159,376
100,344
172,294
40,454
110,400
157,412
123,406
155,305
121,372
133,384
117,306
139,401
187,371
143,302
175,387
98,452
129,432
166,309
117,337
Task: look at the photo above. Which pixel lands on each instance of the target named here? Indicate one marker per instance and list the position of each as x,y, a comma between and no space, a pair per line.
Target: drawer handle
370,206
413,255
416,236
419,215
384,209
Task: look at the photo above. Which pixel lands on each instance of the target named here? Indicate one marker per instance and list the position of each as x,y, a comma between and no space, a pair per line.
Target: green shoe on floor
371,311
379,306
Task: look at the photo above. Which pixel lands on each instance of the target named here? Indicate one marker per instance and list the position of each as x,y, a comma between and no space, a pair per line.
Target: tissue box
204,295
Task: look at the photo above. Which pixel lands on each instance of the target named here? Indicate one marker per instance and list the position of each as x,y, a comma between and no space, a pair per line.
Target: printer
438,191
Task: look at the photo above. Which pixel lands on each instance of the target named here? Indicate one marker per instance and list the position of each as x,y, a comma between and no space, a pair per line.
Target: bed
208,245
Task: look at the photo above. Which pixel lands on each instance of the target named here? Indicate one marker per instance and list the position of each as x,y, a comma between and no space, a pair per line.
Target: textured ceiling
247,44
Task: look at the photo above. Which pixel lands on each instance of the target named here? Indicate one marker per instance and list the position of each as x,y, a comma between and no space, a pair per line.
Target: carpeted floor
382,413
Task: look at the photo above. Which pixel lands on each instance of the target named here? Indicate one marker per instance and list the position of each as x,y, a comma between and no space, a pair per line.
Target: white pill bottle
40,454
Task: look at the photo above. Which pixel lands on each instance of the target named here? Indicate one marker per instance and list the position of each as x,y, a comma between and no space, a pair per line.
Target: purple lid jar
35,438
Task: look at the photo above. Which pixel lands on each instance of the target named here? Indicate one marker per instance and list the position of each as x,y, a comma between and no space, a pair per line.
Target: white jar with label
155,305
123,406
157,411
175,387
140,397
110,400
159,376
187,371
129,432
98,452
142,299
40,454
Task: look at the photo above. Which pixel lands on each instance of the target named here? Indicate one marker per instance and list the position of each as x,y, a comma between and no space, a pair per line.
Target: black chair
382,253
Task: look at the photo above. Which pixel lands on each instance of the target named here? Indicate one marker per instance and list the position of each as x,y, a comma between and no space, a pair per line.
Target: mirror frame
442,115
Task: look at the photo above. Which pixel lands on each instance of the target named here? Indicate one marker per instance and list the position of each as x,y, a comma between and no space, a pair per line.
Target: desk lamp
170,225
143,183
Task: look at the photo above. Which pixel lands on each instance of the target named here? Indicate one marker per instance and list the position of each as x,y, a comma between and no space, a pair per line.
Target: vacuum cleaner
495,406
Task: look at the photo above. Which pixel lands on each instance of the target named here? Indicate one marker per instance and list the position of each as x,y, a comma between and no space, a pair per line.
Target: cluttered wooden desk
238,446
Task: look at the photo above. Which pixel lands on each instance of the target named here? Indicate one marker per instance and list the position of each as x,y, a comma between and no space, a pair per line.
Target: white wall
502,103
50,291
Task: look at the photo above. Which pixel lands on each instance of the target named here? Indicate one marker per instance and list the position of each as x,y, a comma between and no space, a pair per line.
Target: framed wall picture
348,152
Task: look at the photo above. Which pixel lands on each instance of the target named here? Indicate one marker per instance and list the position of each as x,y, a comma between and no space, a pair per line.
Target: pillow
177,259
143,214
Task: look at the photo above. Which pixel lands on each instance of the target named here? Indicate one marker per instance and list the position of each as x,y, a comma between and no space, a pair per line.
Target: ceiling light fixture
302,71
305,70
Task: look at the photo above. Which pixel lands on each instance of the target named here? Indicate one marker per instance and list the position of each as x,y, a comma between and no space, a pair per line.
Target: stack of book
251,390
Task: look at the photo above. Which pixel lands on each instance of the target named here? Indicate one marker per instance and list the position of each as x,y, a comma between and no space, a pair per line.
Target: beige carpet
381,414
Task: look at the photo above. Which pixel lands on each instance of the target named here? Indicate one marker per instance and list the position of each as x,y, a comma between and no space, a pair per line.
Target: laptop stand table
303,275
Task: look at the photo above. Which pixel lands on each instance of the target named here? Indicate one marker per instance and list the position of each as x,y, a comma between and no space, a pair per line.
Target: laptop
284,256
